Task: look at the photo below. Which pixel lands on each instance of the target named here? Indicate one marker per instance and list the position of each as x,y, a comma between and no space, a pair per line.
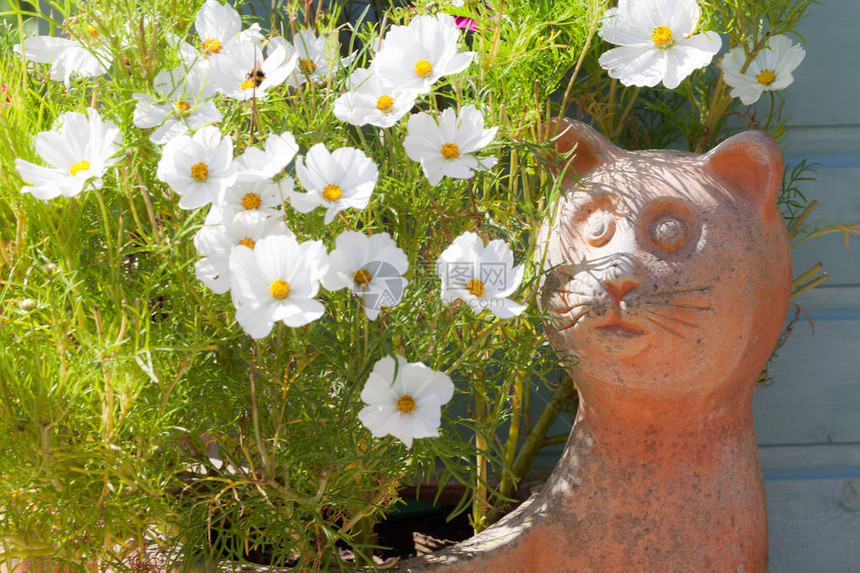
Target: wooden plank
780,463
815,397
839,202
832,147
829,298
814,526
825,89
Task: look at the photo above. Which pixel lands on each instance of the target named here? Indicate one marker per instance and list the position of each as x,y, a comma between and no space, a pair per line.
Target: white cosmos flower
182,105
656,42
78,150
318,57
404,399
262,197
415,56
481,276
66,56
370,100
215,243
371,267
243,73
219,28
199,167
265,164
449,147
769,71
339,180
277,281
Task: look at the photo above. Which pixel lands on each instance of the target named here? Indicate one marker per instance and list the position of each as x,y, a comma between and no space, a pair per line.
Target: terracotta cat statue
668,285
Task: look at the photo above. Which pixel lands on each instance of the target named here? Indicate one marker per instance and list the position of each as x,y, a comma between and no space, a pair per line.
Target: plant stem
592,29
535,438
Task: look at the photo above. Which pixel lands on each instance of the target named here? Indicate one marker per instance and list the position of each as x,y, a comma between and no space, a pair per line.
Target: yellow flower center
384,103
766,77
662,36
210,46
406,403
423,68
92,31
450,151
307,66
332,192
362,277
251,201
279,289
475,287
250,243
248,84
81,165
199,171
181,106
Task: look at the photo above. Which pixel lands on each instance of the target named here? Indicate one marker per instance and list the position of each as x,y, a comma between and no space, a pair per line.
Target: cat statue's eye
669,233
599,228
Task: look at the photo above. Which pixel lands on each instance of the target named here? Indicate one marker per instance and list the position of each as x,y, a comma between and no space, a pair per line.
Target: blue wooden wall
808,421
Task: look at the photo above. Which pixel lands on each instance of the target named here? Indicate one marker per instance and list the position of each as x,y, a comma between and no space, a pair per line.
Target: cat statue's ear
751,163
591,149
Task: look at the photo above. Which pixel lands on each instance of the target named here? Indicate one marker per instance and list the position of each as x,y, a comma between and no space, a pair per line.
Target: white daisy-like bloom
449,146
339,180
265,164
183,104
243,73
317,57
657,42
199,168
78,150
404,399
276,281
769,71
189,56
219,28
372,101
215,243
480,276
371,267
414,57
262,197
66,56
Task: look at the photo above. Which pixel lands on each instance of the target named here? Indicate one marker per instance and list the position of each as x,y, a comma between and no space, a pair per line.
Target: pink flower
8,99
466,23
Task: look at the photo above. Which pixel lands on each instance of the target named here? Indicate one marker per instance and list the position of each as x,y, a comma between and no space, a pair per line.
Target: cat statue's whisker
683,306
560,312
700,290
664,326
673,319
575,319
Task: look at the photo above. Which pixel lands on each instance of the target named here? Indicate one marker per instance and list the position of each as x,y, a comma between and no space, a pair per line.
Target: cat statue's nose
620,287
619,279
